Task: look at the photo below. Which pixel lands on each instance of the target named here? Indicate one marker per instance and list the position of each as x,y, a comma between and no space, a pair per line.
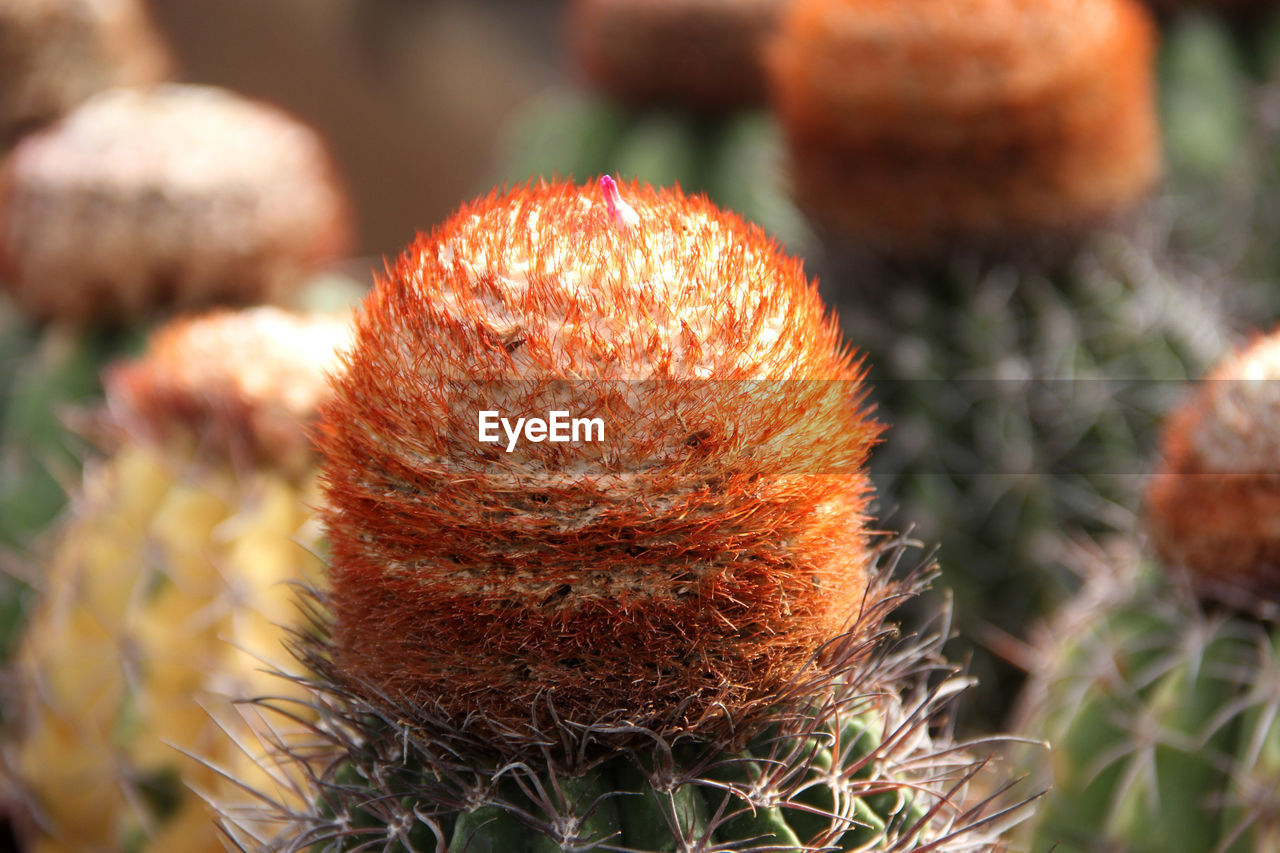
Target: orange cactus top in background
1213,505
701,551
241,385
914,123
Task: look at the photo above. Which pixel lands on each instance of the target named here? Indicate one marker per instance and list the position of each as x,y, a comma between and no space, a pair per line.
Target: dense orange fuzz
916,124
1213,505
703,551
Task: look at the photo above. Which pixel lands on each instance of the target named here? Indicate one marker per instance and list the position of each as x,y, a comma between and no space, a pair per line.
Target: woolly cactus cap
705,53
1213,505
56,53
688,561
179,196
240,385
916,123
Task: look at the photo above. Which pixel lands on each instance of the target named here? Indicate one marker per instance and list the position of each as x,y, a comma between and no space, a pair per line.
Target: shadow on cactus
668,636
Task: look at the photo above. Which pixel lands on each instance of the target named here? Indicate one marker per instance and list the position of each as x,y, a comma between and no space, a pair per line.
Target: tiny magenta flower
622,214
700,551
914,124
1213,505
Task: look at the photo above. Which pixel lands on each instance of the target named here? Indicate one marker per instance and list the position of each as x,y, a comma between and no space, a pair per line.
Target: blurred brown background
411,94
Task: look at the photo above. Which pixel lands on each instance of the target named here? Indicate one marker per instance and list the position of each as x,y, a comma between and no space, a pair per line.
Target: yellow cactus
166,589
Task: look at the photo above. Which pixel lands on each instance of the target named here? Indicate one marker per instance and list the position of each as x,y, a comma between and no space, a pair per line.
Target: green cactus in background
1022,404
1163,716
1027,305
48,376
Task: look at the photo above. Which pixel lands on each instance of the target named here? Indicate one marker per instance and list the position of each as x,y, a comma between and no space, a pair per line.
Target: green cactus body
48,372
740,804
53,370
1019,400
1163,721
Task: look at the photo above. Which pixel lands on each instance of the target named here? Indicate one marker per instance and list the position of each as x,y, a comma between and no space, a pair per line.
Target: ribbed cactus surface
857,760
1159,687
1023,405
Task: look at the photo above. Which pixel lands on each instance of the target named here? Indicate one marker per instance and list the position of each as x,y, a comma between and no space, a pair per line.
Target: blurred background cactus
165,591
1158,684
137,203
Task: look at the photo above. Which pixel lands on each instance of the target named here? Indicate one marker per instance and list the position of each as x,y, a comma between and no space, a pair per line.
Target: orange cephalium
691,562
242,385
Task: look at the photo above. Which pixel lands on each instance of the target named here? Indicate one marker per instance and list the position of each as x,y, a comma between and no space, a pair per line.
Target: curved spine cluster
860,759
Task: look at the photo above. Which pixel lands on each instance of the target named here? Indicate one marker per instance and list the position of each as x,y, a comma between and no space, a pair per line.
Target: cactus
1022,321
1162,715
1022,403
1161,703
667,637
863,762
137,202
164,589
673,95
914,131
